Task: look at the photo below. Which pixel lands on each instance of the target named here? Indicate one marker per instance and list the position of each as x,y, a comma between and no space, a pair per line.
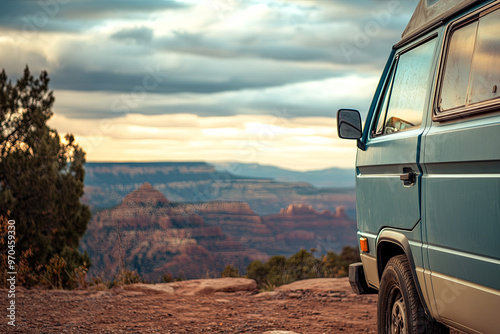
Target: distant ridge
107,184
325,178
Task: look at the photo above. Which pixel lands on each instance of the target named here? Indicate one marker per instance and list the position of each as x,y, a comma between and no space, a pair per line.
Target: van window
485,76
458,65
405,96
472,71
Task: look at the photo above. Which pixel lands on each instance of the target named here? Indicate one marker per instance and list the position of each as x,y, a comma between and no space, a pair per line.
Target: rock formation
301,226
106,185
146,195
153,236
148,234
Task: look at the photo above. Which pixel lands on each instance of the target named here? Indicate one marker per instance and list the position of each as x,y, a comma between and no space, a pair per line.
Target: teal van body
428,174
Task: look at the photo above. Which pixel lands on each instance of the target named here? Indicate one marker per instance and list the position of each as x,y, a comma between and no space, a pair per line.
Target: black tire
399,309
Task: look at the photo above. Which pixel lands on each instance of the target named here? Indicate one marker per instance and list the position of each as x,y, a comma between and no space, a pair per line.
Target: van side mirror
349,124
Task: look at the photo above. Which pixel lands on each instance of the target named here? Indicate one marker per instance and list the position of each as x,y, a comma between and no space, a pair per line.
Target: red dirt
311,306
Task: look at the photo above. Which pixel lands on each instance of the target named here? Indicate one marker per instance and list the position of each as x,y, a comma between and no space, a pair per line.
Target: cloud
77,15
194,76
285,45
306,31
301,143
139,35
195,80
272,44
317,98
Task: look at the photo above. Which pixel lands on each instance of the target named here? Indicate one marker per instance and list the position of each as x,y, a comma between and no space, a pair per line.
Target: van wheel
399,310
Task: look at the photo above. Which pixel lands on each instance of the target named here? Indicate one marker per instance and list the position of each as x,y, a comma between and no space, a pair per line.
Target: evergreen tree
41,177
257,271
279,270
302,265
230,271
278,273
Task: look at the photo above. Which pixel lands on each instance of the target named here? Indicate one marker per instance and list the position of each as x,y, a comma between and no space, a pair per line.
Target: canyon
154,236
106,185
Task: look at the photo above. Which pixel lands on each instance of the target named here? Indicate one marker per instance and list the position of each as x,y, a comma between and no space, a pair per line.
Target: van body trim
451,292
461,176
463,254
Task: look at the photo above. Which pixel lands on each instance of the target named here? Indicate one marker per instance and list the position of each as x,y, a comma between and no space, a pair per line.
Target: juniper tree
41,176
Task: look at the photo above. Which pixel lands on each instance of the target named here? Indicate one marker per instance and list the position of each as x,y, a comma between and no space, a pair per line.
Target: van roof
430,12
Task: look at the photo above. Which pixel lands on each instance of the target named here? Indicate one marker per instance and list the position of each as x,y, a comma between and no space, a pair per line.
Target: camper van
428,174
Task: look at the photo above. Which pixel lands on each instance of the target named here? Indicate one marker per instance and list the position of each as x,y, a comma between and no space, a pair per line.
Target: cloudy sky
208,80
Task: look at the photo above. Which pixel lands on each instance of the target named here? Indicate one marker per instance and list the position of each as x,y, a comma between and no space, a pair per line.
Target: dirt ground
311,306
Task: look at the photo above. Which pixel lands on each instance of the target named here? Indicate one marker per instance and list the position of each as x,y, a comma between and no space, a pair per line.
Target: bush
279,270
126,277
230,271
167,278
257,271
302,265
56,274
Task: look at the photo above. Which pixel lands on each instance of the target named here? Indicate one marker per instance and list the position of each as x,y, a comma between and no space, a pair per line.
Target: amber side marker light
363,244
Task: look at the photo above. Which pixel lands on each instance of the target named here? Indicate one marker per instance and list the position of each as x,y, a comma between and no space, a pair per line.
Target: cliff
148,234
153,236
106,185
301,226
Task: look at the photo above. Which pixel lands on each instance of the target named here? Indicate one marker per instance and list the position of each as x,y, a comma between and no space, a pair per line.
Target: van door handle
409,177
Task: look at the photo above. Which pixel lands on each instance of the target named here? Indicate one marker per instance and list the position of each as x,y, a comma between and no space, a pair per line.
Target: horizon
216,164
221,80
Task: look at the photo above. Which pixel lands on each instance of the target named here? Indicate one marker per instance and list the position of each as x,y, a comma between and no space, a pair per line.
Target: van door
388,171
387,183
461,184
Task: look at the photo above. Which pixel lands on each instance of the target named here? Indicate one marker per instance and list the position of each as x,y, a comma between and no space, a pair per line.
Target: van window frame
386,94
486,106
388,82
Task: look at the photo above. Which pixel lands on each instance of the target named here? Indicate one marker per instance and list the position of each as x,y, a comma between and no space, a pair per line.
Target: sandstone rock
298,209
198,287
240,208
266,294
340,212
145,195
320,285
301,226
294,295
157,288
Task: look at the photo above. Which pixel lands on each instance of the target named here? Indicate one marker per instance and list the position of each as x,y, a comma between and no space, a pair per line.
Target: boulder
198,287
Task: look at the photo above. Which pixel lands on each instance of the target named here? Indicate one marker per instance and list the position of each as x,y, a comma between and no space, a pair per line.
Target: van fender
391,243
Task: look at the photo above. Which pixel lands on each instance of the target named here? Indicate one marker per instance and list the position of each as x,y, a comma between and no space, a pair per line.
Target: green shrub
167,278
279,270
126,276
230,271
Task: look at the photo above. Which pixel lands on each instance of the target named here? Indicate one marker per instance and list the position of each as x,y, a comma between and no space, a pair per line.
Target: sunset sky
208,80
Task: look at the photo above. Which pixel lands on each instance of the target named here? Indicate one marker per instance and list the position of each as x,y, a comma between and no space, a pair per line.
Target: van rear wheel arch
391,244
399,307
385,251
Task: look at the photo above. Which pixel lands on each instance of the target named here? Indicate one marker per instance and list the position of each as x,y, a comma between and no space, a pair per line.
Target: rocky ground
202,306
